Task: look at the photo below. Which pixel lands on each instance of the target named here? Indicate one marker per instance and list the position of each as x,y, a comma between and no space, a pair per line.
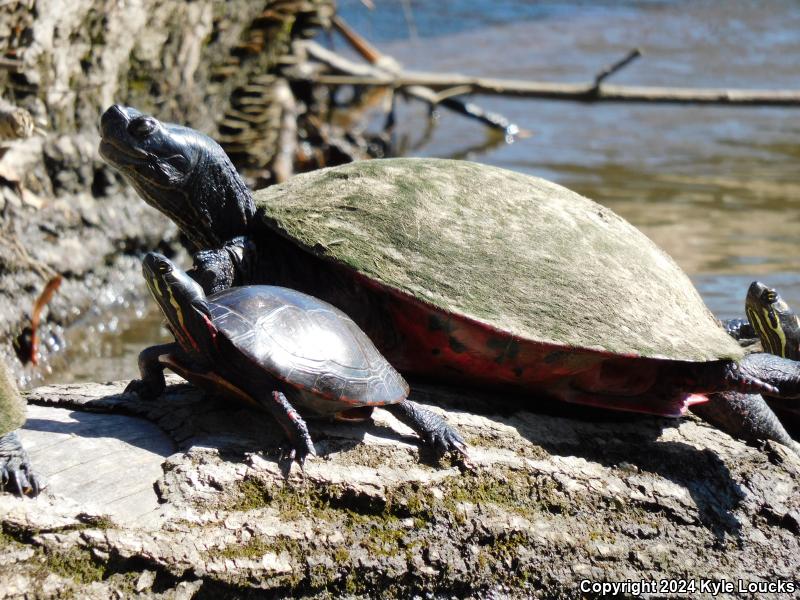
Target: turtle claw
441,437
445,440
763,373
141,388
298,453
16,473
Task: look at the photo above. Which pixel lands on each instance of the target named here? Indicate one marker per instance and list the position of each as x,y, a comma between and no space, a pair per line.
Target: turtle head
181,172
776,325
181,299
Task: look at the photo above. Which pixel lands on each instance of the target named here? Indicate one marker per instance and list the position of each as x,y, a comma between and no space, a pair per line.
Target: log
545,503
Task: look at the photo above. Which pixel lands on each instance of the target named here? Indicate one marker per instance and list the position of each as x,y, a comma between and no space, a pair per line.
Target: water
717,188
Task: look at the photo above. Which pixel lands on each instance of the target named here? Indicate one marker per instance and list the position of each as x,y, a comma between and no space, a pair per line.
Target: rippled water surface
718,188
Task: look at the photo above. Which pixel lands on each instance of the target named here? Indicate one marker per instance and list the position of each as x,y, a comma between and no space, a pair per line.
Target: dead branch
383,64
350,73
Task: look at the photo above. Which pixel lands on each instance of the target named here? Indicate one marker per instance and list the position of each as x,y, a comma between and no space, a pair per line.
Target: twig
460,90
283,161
385,65
617,66
42,301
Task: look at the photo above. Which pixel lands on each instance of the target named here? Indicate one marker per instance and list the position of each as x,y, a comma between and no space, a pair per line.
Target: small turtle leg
152,383
293,424
739,329
16,474
429,426
745,416
233,264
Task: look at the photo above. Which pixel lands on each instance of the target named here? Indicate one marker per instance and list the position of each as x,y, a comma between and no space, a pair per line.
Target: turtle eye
141,127
769,296
164,267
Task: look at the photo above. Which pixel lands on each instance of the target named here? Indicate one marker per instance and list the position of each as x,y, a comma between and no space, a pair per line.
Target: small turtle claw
433,429
298,452
445,440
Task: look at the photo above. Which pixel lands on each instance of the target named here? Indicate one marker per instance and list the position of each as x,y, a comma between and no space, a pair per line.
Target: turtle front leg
16,473
152,383
292,423
777,376
233,264
745,416
758,373
430,427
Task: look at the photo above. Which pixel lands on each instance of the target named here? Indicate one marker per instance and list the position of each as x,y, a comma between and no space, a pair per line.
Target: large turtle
276,349
16,474
457,271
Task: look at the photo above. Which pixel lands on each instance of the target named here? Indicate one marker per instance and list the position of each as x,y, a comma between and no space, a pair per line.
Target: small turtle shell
308,344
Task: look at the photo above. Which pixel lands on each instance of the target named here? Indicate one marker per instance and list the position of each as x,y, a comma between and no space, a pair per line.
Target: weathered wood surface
547,502
107,463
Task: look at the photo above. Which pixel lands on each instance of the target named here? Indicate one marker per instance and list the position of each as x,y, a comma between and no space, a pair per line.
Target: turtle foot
300,442
299,453
142,388
218,269
766,374
16,473
433,429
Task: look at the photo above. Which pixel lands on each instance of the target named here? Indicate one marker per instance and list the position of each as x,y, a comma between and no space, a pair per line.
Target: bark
185,495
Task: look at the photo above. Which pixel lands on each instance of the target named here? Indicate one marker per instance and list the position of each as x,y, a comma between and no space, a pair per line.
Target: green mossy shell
520,253
12,406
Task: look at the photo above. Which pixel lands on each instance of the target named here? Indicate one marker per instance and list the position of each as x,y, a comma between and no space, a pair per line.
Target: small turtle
457,271
751,416
276,348
777,328
774,323
16,474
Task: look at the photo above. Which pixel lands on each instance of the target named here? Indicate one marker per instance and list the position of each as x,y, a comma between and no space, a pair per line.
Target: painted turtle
775,324
777,327
274,347
16,474
457,271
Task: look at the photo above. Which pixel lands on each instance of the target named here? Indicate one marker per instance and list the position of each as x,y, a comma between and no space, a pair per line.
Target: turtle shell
520,255
309,345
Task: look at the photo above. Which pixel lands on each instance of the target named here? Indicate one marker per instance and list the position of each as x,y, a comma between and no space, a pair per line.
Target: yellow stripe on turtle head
769,330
